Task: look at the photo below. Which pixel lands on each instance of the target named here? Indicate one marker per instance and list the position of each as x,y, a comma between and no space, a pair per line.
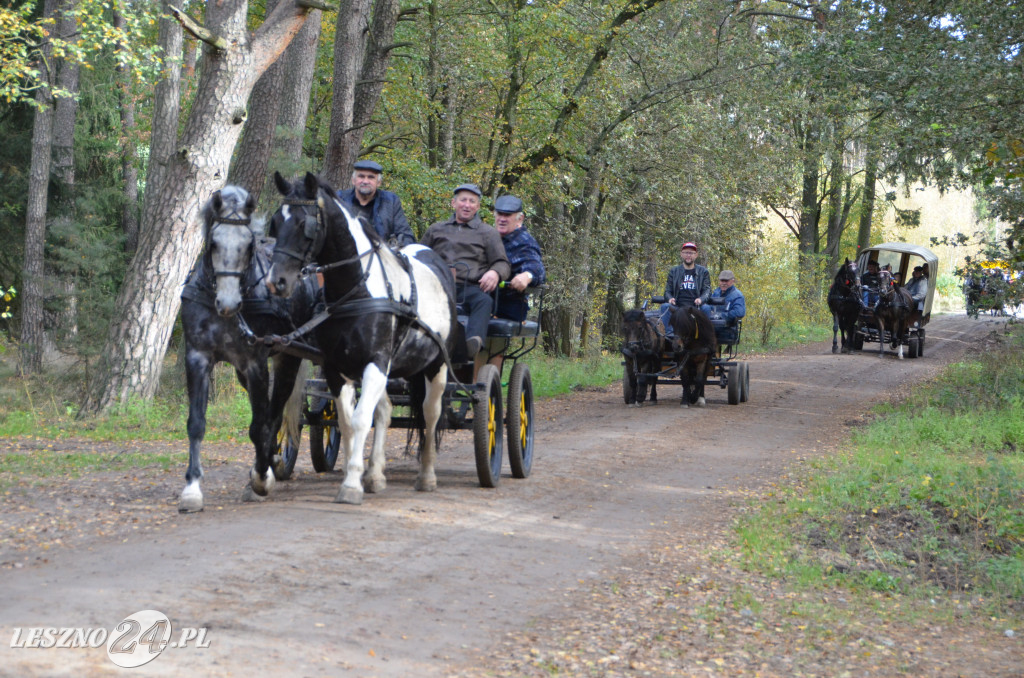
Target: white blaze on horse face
281,279
229,253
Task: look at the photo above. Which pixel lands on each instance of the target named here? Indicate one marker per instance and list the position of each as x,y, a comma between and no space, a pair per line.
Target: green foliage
930,497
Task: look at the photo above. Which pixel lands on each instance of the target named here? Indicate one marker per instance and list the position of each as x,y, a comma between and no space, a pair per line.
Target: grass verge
928,504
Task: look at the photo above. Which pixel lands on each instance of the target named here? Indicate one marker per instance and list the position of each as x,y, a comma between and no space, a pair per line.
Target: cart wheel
520,421
744,382
628,383
858,342
487,425
920,343
912,347
734,384
324,457
285,455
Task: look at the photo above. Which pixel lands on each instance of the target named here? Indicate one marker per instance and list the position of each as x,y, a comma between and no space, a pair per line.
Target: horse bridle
312,229
233,221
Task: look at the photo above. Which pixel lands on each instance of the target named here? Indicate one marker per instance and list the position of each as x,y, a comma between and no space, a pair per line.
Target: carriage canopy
903,257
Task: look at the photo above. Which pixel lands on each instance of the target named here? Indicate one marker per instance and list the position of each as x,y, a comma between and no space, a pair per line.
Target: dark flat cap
367,165
508,204
472,188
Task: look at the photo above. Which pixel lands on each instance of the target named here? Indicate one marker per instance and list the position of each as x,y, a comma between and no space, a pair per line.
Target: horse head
639,334
300,231
230,243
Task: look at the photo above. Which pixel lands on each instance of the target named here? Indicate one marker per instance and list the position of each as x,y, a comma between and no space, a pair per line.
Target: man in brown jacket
475,252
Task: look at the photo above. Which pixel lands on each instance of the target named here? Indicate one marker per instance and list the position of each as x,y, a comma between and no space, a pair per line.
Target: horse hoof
192,504
685,405
835,349
701,402
261,486
349,495
249,495
375,485
425,485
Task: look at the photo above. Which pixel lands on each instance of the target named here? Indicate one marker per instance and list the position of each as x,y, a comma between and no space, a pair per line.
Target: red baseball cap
689,245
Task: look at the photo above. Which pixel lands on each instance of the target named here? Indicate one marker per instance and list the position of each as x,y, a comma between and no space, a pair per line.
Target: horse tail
417,385
291,420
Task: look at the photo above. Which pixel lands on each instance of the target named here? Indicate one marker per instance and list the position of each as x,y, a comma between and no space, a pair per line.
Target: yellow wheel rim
490,426
524,421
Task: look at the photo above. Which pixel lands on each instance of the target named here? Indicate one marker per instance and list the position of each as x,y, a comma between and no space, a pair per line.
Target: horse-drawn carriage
651,358
467,404
896,260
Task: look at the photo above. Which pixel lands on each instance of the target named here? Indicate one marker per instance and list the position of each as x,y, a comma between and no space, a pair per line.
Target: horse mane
692,322
633,315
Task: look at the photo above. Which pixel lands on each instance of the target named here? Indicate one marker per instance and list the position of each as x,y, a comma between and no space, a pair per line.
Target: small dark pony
895,306
694,345
845,304
643,341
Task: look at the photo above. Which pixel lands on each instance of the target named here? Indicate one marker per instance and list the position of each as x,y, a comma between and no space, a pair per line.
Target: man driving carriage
869,285
688,284
475,252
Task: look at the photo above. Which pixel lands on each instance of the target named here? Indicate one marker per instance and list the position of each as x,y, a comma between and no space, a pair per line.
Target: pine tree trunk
30,350
147,305
300,66
349,42
129,169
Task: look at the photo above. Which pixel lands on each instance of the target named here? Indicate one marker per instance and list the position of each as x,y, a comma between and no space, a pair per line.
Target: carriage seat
502,327
727,330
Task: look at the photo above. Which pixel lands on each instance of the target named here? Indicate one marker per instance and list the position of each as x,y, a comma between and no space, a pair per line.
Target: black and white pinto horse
388,315
694,345
643,341
225,290
892,313
844,301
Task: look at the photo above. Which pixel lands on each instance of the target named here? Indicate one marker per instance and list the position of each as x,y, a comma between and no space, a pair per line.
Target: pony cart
651,358
895,320
466,405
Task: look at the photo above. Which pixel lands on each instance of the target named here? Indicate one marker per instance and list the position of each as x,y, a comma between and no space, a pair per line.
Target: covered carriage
900,258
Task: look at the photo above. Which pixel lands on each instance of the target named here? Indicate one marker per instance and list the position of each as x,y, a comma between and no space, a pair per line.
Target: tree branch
199,32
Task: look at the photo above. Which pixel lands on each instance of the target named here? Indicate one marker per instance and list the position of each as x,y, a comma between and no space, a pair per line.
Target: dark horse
892,313
845,304
643,341
694,345
389,314
225,293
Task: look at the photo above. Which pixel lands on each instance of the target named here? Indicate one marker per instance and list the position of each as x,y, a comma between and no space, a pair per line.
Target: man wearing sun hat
381,209
474,251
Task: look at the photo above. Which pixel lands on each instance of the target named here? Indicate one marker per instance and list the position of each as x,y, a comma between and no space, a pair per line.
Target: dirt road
413,584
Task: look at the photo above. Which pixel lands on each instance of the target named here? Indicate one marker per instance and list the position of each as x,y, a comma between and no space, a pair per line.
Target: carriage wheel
744,382
734,385
858,341
520,421
487,425
628,383
285,454
920,343
324,457
911,347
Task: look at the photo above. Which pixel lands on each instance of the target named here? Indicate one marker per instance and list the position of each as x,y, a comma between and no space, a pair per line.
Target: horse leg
655,367
426,481
881,336
374,480
835,331
257,383
374,385
701,376
197,374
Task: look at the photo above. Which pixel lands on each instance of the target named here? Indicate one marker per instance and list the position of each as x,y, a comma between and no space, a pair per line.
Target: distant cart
901,257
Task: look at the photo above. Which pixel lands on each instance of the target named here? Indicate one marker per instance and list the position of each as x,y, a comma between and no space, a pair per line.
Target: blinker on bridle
310,229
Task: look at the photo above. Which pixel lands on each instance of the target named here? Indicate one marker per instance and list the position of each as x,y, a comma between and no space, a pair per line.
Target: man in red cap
689,283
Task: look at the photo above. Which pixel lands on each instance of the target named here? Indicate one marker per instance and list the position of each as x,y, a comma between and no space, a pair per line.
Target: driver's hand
489,281
520,282
697,301
672,301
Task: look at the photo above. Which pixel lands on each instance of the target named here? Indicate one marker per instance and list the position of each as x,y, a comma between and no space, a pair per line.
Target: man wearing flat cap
381,209
918,287
474,251
523,255
726,304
